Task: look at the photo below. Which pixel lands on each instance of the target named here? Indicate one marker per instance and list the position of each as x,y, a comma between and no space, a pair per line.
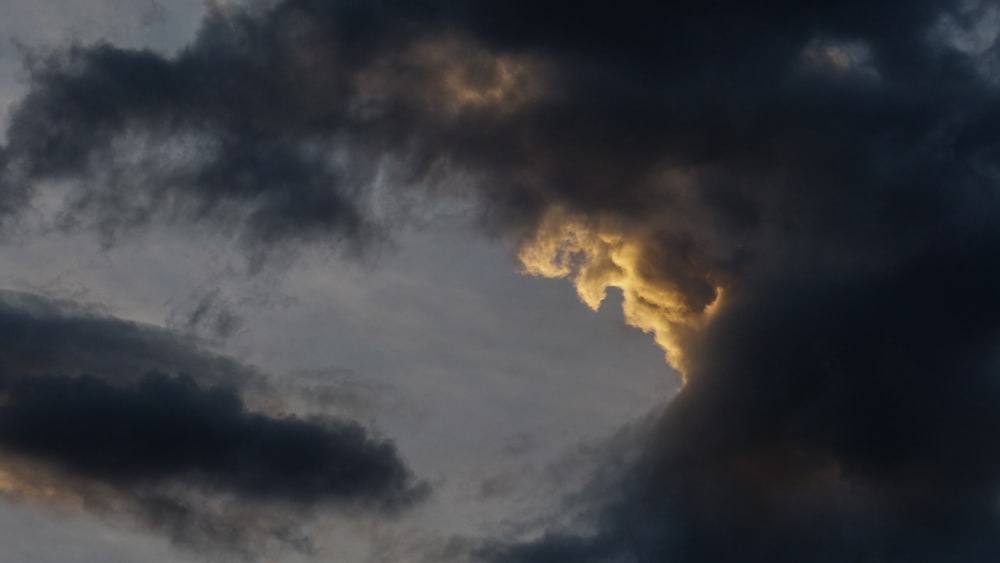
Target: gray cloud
209,313
86,414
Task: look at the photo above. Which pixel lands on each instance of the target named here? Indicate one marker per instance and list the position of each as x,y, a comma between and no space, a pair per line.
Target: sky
500,282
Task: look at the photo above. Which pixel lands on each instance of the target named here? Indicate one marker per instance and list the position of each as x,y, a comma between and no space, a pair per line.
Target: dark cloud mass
163,426
45,336
842,422
80,417
799,199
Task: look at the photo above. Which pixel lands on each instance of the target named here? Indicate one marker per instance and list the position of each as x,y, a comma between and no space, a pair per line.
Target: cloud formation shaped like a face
798,199
80,421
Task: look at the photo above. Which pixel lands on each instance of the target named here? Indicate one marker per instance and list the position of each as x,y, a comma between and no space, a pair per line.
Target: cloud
841,422
815,251
798,199
86,418
207,313
274,124
44,336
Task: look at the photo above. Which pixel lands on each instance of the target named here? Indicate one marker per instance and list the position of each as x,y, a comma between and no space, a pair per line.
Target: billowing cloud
88,418
832,420
274,124
798,199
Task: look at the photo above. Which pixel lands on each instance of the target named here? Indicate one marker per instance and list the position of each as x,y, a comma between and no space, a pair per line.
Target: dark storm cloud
740,125
43,336
80,414
277,122
835,420
162,426
840,404
798,198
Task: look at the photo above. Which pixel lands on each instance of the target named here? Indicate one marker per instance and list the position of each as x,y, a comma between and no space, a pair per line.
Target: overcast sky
485,379
510,282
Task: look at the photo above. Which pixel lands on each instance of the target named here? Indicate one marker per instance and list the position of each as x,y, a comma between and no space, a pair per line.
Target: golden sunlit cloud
840,57
451,76
596,256
30,484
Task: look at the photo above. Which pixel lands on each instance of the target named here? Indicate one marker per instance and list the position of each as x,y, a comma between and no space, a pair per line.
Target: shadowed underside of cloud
80,421
797,199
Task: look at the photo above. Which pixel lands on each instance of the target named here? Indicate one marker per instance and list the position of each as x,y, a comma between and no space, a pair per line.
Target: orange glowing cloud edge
594,256
448,76
28,484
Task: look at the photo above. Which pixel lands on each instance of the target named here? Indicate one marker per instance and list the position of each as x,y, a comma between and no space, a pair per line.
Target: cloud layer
798,199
